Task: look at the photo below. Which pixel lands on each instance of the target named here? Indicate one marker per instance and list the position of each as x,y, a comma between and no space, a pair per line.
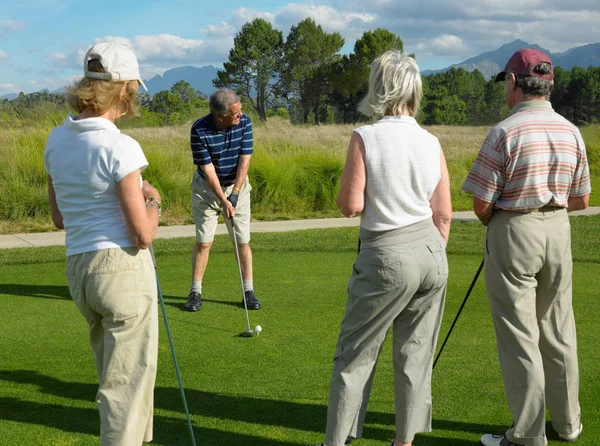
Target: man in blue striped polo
221,145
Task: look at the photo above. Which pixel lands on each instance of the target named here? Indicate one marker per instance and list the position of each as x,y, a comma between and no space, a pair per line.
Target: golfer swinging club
221,144
530,171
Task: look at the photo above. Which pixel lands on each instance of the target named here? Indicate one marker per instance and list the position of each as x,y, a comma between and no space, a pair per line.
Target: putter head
247,334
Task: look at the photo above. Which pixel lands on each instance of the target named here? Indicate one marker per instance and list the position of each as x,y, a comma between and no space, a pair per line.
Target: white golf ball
258,329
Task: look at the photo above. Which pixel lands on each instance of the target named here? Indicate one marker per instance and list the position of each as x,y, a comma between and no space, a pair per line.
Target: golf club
164,310
458,314
249,332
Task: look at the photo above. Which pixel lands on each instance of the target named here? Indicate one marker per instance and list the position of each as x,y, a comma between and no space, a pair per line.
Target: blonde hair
394,82
102,95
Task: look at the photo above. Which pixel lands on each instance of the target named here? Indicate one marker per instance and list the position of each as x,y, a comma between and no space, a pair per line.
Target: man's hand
228,208
233,198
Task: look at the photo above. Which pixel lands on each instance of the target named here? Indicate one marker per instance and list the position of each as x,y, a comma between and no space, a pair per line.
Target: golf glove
233,199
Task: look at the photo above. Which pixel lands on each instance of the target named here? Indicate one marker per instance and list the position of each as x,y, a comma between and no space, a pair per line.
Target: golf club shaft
237,258
459,311
164,310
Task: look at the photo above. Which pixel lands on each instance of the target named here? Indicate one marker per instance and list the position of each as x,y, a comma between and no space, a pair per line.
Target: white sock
248,285
196,286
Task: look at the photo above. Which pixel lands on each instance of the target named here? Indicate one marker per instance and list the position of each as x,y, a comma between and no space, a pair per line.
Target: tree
254,65
185,91
350,76
166,103
309,53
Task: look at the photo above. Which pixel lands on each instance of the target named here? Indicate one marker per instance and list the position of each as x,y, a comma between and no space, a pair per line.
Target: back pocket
438,251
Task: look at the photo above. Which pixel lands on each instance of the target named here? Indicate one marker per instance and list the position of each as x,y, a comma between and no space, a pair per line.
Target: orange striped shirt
533,158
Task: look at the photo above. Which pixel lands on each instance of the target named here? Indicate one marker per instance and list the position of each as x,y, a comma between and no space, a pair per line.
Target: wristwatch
152,201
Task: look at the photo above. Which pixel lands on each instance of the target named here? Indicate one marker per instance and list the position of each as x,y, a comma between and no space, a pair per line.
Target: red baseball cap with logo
523,62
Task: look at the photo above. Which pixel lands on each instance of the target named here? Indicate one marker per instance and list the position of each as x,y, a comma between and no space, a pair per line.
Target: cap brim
500,76
143,84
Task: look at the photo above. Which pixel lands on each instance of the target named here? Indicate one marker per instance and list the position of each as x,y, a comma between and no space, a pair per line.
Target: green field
294,171
271,389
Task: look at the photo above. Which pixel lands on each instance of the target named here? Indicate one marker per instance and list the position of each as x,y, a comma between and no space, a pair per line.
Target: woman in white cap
110,216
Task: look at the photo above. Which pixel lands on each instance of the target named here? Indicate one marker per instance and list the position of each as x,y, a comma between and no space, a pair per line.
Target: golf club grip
152,254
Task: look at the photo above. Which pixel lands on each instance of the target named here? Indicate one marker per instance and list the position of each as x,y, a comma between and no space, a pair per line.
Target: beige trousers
115,290
206,208
528,278
399,279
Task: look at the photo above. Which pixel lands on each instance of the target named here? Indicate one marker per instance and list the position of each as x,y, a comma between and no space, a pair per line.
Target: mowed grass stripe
271,389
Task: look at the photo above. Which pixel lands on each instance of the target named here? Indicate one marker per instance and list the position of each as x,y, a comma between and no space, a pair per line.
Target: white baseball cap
118,61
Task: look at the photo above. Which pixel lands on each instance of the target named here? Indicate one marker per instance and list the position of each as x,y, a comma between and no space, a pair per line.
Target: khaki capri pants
399,279
206,208
115,290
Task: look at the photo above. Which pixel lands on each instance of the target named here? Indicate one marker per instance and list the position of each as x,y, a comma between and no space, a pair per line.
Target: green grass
272,389
295,170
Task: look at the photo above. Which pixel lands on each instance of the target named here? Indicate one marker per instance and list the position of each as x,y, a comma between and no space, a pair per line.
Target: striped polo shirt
533,158
222,148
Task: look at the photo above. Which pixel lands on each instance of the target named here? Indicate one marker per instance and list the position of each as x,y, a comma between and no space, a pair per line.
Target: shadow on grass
167,431
258,411
179,302
43,291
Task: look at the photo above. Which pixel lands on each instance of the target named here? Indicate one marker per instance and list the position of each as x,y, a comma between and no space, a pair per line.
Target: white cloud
481,25
223,30
3,55
11,25
242,15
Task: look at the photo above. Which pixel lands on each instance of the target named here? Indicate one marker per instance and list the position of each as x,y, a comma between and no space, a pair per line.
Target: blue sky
42,42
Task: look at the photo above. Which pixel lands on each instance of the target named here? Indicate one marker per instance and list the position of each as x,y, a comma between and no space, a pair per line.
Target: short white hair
394,82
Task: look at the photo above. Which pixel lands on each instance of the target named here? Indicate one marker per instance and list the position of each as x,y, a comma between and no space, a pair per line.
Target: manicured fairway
272,389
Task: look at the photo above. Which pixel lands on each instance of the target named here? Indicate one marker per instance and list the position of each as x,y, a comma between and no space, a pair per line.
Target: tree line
306,79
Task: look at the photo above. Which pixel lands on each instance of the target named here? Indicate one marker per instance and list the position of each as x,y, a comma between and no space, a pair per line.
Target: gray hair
533,86
221,99
394,82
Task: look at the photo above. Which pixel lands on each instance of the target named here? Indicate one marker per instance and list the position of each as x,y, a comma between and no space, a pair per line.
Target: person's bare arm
483,210
213,182
57,217
242,172
351,197
578,203
142,220
440,202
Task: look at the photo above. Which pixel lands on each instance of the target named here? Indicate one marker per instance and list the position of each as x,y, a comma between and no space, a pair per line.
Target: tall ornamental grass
294,172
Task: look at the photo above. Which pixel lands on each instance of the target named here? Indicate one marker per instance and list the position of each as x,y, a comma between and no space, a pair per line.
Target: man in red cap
531,170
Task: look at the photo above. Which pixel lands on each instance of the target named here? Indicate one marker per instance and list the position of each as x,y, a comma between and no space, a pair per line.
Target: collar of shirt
531,105
89,124
402,118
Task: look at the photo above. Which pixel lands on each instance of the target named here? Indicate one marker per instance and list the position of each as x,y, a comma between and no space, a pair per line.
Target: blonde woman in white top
396,179
110,216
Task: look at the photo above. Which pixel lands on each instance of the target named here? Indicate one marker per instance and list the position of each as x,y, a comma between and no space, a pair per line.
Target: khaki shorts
206,208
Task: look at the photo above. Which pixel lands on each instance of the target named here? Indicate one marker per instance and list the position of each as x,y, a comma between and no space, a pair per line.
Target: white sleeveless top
403,169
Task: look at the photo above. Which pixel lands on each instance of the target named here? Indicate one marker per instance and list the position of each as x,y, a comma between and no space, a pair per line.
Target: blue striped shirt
222,148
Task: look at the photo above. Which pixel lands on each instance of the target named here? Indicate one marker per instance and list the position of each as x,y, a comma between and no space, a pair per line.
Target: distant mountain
492,62
199,78
9,96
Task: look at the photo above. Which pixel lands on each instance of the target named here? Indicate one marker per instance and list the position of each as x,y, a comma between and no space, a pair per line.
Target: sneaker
194,302
348,440
252,302
573,437
497,440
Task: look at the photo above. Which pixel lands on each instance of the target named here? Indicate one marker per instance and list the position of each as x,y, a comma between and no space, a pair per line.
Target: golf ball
258,329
